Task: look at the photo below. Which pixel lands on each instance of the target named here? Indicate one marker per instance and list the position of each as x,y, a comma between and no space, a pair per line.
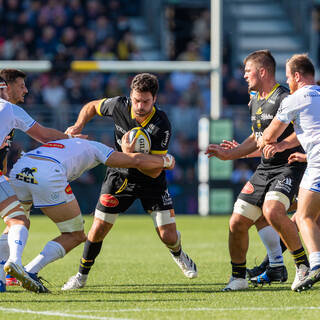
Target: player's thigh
62,212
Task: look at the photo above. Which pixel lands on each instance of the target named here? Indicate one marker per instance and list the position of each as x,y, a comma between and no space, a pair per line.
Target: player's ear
155,98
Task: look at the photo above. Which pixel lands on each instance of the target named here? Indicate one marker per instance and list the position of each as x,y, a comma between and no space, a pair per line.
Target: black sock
239,270
300,257
90,252
283,246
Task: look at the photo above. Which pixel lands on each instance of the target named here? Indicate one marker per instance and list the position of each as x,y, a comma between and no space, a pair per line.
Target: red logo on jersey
53,145
68,189
248,188
108,200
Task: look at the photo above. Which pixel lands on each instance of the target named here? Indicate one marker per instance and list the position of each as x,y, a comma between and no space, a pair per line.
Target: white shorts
5,189
311,179
40,181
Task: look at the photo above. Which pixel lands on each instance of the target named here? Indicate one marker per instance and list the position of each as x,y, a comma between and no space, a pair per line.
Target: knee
78,236
99,230
237,224
270,214
168,237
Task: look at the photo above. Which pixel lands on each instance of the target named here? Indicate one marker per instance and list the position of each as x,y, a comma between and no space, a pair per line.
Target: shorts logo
26,175
248,188
68,189
108,200
285,184
166,198
53,145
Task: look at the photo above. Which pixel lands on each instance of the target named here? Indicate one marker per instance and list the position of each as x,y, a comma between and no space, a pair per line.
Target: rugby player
273,186
16,92
123,186
41,177
302,108
12,212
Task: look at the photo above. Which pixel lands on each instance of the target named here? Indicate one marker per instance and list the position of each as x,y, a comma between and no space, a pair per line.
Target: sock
300,257
314,260
239,270
176,253
265,261
4,247
90,252
271,241
51,252
17,239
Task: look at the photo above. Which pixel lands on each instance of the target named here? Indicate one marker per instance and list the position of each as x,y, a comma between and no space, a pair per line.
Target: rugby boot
310,279
187,266
236,284
301,273
18,272
272,274
257,270
39,280
75,282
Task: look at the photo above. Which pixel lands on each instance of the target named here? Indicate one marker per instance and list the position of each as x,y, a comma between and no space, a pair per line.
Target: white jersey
13,117
303,109
75,155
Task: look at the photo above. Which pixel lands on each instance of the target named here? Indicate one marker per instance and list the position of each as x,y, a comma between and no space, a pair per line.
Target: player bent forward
41,177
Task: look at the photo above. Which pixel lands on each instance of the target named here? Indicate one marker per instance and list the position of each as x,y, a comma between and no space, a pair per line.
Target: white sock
4,247
314,259
271,240
17,239
51,252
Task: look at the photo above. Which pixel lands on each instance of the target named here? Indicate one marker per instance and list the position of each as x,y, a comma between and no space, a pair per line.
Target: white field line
59,314
206,309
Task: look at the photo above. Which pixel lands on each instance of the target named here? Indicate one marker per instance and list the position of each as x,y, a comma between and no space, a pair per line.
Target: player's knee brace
177,244
278,196
18,212
71,225
161,218
107,217
247,210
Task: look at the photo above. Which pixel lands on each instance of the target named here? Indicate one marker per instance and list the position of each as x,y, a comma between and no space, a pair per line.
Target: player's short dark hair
301,63
145,82
263,58
11,75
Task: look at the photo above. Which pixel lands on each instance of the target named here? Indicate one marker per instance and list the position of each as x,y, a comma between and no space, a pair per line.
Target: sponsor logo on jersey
248,188
266,116
166,139
108,200
68,189
259,111
120,129
26,175
53,145
54,196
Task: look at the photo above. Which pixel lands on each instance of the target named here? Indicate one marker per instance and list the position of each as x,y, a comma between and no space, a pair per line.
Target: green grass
135,278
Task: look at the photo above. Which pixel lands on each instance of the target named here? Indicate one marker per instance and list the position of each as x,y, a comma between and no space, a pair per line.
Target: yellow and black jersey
157,125
262,111
4,151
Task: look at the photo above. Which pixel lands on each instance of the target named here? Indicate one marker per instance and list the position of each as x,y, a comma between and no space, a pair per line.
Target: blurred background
61,31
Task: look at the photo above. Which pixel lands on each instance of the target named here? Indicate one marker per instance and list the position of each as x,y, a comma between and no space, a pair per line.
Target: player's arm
44,134
233,144
245,148
290,142
140,161
272,133
87,112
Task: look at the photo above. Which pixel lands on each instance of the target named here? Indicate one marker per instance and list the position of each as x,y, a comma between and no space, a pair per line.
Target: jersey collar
270,93
146,121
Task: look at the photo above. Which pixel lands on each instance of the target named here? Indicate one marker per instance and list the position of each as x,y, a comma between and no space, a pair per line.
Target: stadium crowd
61,31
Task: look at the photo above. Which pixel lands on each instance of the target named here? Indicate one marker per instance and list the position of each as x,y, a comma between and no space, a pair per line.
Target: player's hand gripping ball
143,141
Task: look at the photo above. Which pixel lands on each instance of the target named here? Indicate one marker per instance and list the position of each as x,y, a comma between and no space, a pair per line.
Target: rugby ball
143,142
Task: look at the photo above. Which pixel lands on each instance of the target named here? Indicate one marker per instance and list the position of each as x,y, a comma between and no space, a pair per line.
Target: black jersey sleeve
108,105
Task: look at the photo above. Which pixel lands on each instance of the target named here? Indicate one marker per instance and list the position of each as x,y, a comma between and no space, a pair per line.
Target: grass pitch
134,277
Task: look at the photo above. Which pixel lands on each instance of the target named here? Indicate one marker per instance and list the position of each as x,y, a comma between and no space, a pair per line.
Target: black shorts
118,193
285,179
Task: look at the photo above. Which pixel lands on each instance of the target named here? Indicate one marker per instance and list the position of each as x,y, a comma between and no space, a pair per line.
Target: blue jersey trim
44,157
49,205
